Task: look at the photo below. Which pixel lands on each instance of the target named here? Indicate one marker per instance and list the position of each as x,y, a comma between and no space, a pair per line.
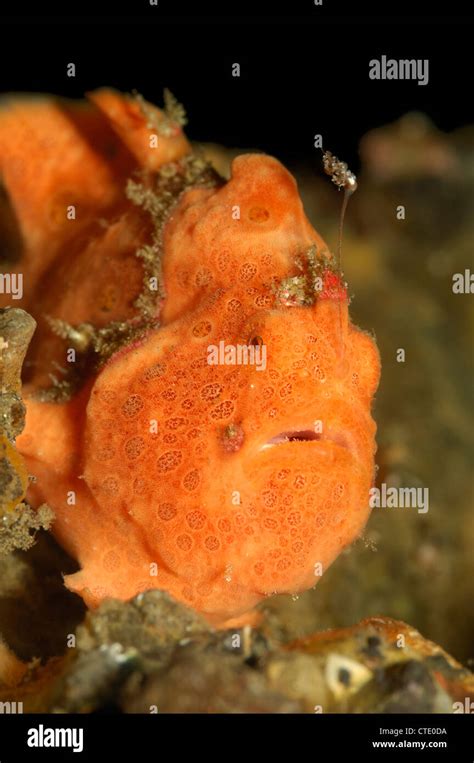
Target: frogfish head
236,440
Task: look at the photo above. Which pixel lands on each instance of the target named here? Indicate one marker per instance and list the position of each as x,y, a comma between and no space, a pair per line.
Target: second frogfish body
219,482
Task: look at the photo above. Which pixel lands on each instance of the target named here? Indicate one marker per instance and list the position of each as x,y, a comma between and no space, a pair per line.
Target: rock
152,655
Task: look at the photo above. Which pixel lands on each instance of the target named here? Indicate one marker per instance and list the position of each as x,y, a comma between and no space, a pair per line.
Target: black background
304,70
138,738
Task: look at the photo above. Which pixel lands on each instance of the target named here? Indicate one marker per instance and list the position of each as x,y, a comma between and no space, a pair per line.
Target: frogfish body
170,460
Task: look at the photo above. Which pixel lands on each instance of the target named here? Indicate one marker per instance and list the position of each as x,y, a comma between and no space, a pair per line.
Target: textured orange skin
54,153
169,498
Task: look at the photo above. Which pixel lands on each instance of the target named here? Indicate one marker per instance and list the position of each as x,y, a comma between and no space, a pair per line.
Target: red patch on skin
233,438
333,287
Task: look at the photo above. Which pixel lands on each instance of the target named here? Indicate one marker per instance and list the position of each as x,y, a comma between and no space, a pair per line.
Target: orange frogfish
198,400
